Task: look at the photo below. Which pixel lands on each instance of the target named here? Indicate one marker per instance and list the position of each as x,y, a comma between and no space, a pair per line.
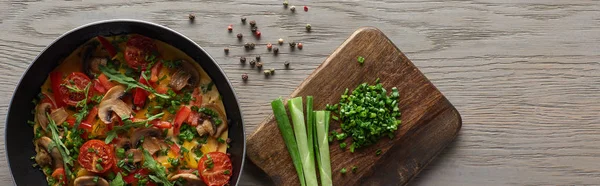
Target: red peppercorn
257,33
230,27
306,8
300,46
269,46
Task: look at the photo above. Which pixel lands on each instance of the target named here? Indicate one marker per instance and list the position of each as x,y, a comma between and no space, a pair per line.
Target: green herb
343,171
173,161
209,162
73,89
378,152
207,87
368,113
128,81
285,128
172,63
156,168
343,145
226,172
99,167
341,136
127,124
187,133
56,142
95,179
361,60
120,152
220,140
118,181
354,169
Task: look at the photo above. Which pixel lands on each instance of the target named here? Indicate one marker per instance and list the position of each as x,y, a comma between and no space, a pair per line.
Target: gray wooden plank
523,74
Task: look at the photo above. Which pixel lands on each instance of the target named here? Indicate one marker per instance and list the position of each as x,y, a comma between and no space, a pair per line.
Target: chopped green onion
285,128
308,162
310,118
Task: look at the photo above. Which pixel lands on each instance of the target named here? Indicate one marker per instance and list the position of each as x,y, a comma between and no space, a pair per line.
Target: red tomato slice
180,117
161,124
137,49
105,82
55,80
215,168
77,81
193,119
95,156
109,47
59,175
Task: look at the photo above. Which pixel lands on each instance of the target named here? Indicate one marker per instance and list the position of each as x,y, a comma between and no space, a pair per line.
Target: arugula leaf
127,125
84,109
156,168
128,81
56,142
118,181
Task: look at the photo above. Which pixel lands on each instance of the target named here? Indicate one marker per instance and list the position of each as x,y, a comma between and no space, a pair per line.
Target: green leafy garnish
361,60
127,124
160,175
128,81
56,142
118,181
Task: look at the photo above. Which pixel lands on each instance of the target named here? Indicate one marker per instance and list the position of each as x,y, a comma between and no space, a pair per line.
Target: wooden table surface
524,75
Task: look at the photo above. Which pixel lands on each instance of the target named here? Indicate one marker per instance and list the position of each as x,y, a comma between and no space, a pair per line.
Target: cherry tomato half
60,176
95,156
72,88
215,168
137,49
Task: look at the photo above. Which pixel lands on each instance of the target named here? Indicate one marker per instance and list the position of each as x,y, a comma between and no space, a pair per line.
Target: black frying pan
19,135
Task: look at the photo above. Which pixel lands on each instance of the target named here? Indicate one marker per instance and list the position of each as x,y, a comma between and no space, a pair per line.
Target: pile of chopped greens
367,114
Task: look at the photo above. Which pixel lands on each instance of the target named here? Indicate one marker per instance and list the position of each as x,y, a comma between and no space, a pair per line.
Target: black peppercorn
254,29
280,41
257,58
191,17
292,44
252,23
267,72
252,62
245,77
252,45
247,45
293,9
242,59
259,65
226,50
286,64
244,20
239,36
275,50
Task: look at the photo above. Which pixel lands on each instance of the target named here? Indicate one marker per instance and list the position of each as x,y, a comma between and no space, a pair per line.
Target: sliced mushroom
86,55
187,75
223,126
123,143
42,157
96,62
153,145
59,115
43,143
189,179
144,133
207,127
113,105
89,181
114,93
40,114
136,154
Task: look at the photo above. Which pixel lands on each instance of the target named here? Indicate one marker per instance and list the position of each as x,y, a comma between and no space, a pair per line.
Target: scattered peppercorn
306,8
285,4
192,17
244,20
267,72
230,28
252,23
254,29
258,58
257,33
245,77
226,50
286,64
259,65
247,45
308,27
293,9
300,46
272,71
242,59
275,50
269,46
239,36
292,44
252,45
252,62
280,41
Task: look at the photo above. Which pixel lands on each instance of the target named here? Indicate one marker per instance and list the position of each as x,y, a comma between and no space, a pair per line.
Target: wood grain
523,74
429,121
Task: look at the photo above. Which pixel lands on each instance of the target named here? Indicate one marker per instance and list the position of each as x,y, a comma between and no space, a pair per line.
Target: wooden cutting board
429,121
